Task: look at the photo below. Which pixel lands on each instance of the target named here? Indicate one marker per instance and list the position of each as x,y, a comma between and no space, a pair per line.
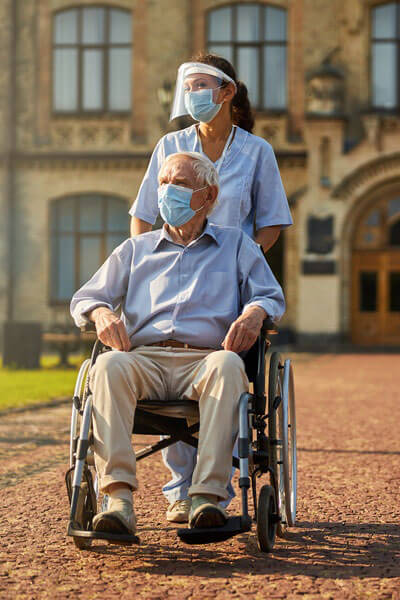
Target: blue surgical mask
201,106
174,203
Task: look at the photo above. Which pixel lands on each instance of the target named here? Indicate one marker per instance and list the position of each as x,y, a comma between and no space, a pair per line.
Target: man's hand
245,330
110,329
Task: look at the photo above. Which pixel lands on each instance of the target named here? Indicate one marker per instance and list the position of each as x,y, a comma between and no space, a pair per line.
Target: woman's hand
244,332
110,329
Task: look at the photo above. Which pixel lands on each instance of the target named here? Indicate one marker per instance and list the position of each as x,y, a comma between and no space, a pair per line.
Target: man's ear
212,194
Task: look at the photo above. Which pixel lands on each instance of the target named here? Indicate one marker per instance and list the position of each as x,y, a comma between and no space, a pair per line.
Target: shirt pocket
219,294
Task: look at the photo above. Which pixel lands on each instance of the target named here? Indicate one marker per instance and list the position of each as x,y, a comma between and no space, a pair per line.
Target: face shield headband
193,68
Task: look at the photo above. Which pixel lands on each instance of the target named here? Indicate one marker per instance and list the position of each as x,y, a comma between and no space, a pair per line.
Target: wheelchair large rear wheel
289,448
282,439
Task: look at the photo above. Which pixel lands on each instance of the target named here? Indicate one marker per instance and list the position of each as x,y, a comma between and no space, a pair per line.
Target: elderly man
193,295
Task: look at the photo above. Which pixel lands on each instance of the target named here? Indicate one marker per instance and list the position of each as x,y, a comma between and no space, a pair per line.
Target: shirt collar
209,231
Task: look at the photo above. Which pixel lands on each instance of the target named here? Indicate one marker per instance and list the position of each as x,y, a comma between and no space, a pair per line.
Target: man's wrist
257,310
93,315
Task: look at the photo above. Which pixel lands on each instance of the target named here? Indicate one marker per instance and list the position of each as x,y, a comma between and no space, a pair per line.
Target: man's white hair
203,168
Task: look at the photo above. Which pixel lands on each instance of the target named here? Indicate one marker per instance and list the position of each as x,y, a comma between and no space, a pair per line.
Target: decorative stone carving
88,135
372,126
354,15
273,129
269,132
325,89
63,135
114,134
390,124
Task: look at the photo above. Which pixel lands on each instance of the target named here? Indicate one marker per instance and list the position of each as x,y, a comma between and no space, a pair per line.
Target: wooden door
376,297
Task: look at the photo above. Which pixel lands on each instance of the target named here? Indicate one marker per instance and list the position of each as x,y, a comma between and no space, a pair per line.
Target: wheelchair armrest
268,327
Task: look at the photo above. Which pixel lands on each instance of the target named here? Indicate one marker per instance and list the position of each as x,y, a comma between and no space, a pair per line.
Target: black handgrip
269,327
88,327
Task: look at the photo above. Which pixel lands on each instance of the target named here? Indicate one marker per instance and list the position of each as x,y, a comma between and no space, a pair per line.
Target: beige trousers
119,380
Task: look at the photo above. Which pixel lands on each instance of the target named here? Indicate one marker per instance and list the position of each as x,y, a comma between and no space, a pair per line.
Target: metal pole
10,157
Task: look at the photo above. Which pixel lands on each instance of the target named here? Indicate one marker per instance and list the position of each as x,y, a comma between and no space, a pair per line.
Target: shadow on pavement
338,451
322,549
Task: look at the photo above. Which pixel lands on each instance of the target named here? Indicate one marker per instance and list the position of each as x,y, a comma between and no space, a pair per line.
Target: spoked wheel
274,441
266,518
289,448
282,439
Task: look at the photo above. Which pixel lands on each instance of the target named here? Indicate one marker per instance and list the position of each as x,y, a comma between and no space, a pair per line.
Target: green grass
27,387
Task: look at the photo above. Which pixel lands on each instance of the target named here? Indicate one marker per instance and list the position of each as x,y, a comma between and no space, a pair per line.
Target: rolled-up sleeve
107,287
268,192
258,286
145,206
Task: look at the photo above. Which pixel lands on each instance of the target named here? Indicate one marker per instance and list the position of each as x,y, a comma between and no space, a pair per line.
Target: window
253,38
379,226
385,55
92,60
84,231
368,291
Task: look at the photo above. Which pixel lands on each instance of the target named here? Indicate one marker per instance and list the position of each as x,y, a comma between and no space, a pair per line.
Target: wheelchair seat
179,408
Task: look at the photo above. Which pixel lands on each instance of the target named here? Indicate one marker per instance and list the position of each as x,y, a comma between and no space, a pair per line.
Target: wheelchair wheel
266,518
79,391
289,448
282,439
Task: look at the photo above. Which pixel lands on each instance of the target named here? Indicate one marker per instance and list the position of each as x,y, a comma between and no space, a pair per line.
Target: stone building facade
73,152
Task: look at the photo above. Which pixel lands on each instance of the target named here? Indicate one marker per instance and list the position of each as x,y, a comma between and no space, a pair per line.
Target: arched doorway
375,311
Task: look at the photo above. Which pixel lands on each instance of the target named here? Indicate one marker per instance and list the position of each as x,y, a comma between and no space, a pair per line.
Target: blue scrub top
250,191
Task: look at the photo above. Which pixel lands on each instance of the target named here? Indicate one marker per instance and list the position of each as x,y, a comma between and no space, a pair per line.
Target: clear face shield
197,89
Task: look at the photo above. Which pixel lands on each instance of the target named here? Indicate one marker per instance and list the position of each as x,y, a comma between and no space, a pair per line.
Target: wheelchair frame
273,454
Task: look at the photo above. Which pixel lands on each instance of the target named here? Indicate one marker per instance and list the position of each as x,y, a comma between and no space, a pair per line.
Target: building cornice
117,160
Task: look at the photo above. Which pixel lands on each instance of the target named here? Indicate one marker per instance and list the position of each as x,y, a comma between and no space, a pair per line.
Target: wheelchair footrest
113,538
211,535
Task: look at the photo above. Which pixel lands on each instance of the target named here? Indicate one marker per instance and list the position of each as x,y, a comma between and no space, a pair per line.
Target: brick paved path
346,543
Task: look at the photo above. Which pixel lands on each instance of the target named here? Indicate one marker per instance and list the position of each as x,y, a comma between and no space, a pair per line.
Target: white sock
121,493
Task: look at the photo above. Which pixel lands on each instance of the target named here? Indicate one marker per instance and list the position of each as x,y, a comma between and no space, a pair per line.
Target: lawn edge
36,406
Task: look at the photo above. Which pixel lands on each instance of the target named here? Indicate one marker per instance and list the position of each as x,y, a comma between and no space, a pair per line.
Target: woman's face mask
174,203
201,106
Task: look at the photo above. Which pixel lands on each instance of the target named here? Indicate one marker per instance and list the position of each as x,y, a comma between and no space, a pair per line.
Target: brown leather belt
176,344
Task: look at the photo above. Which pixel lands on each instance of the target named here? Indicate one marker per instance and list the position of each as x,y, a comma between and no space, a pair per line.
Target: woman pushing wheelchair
251,195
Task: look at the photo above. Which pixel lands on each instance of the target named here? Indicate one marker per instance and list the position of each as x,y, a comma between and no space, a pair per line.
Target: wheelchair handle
269,327
88,327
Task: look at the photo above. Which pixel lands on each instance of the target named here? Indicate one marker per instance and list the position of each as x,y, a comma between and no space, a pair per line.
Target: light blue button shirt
188,293
251,190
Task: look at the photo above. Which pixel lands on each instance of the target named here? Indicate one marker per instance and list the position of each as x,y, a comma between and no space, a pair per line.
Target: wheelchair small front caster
267,519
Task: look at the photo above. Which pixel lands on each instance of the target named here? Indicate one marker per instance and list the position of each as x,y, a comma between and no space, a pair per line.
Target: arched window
379,226
92,48
253,38
84,230
385,55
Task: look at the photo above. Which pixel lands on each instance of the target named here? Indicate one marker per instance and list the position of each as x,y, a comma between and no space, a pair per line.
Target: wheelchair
266,443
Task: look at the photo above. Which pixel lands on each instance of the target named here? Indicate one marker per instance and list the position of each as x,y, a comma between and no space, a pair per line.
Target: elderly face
179,171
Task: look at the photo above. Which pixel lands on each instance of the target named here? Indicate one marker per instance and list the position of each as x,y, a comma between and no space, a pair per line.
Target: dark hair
241,110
